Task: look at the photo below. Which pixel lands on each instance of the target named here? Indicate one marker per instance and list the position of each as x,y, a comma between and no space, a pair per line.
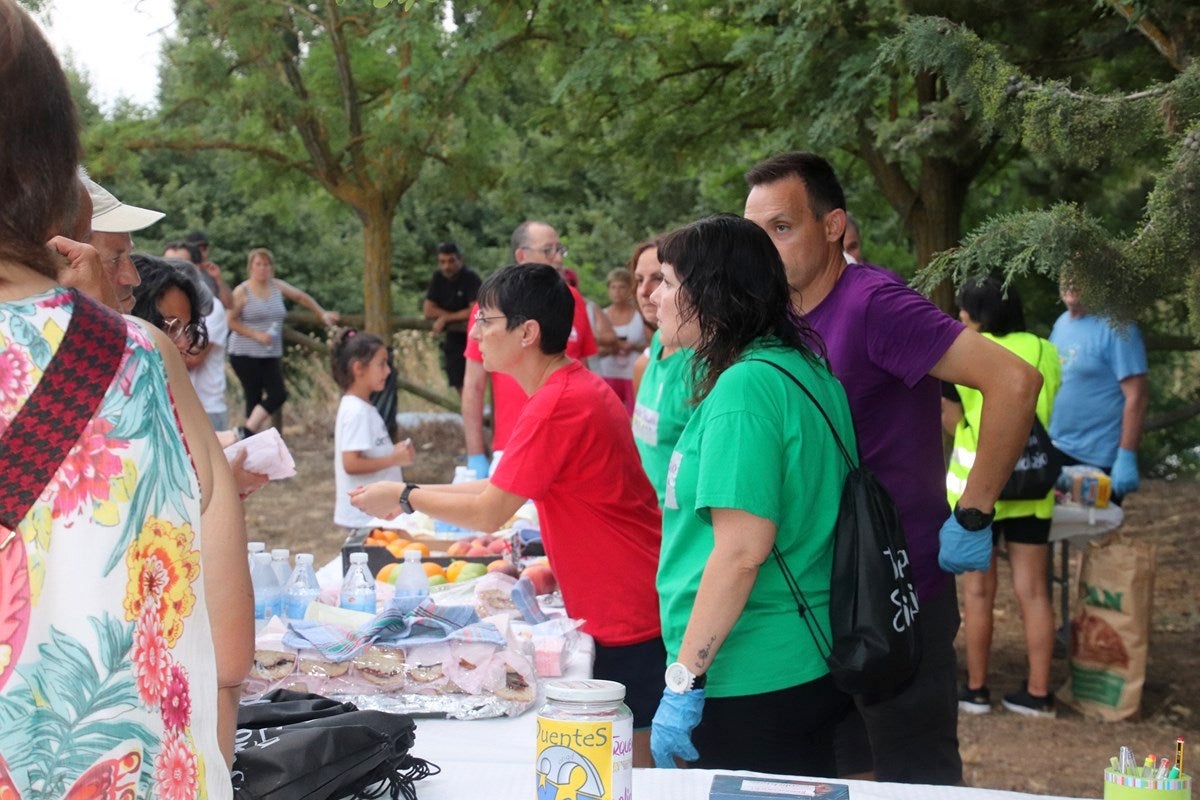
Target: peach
542,578
498,546
458,548
478,550
500,565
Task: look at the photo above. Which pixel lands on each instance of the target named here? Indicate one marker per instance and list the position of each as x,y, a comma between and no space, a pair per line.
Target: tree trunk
377,269
935,219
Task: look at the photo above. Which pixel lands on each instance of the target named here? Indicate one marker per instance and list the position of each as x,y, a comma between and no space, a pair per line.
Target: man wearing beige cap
112,222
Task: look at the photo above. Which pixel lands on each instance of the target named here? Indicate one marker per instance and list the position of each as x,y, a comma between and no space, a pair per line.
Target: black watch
406,506
972,519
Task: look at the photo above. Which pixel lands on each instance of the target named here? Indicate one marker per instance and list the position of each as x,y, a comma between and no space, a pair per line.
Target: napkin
266,454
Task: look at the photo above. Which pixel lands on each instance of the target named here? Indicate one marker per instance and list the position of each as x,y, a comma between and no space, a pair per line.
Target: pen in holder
1130,787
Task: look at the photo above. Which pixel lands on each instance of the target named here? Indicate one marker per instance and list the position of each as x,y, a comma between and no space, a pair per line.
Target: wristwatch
972,519
406,506
680,679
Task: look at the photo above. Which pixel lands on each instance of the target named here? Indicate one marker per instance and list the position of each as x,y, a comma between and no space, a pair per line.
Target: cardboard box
379,557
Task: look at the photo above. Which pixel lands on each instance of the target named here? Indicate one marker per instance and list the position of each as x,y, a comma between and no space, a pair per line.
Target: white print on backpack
904,599
1029,462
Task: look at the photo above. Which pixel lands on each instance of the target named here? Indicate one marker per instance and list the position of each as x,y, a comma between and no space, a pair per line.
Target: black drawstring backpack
873,607
297,746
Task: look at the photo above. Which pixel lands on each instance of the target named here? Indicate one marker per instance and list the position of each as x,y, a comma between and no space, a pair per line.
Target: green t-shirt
662,410
758,444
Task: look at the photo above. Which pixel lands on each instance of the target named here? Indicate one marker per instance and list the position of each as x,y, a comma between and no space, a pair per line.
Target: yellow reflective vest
1044,357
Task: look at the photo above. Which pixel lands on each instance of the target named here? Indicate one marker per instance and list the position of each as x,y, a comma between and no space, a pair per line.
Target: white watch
681,680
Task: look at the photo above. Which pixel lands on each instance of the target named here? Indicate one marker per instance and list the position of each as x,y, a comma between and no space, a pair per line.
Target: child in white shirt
363,451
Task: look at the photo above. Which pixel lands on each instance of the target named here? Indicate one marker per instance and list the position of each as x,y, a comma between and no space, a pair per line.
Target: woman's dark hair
158,275
997,310
352,348
733,284
532,291
39,144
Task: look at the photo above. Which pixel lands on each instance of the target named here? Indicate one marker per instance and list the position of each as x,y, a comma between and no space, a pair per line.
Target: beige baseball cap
110,215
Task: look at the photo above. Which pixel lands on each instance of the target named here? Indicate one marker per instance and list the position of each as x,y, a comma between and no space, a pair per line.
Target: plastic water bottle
252,548
461,475
268,598
281,563
358,586
412,580
301,588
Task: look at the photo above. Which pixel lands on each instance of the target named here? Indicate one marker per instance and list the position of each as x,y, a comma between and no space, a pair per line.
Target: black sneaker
1022,702
975,701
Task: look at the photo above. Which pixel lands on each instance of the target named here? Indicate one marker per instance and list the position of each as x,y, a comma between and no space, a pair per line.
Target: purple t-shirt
883,338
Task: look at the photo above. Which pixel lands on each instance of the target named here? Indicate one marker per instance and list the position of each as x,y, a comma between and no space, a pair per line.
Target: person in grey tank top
256,336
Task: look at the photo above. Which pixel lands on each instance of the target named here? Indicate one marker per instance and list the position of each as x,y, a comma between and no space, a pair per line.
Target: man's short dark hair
532,292
193,250
820,182
449,249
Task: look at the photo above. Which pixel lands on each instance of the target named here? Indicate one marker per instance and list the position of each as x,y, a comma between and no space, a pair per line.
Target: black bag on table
872,603
296,746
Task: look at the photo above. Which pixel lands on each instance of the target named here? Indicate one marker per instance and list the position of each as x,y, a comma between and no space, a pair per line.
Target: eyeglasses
178,330
482,321
549,251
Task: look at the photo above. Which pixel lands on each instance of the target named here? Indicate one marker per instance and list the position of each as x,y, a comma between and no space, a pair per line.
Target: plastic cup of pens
1153,779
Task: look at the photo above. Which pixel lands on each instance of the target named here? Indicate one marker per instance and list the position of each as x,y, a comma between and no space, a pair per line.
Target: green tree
356,98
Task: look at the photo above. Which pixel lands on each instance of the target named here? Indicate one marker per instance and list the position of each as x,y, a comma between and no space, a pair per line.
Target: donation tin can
584,742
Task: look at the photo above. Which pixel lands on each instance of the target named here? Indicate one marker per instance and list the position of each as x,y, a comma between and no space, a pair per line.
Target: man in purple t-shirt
890,346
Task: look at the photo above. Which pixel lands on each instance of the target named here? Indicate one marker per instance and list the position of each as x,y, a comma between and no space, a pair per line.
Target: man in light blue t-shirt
1100,409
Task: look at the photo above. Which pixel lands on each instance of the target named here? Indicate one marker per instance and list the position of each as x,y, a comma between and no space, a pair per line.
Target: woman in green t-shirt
755,469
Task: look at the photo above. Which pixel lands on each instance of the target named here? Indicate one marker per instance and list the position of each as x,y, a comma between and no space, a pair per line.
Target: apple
472,569
437,580
458,548
500,565
541,576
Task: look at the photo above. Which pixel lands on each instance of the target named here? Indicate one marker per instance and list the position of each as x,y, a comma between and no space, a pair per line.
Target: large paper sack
1110,630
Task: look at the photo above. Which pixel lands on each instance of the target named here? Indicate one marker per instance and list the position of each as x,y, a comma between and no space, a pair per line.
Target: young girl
363,451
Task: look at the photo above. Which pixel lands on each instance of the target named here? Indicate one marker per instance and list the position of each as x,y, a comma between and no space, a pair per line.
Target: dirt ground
1065,756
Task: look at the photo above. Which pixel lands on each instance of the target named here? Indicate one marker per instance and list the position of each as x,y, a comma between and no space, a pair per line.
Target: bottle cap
304,558
263,558
411,555
255,547
586,691
358,558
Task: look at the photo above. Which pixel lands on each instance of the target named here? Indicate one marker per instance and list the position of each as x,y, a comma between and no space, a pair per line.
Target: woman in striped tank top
256,336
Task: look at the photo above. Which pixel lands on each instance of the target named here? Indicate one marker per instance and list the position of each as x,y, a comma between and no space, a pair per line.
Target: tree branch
1162,43
224,144
349,92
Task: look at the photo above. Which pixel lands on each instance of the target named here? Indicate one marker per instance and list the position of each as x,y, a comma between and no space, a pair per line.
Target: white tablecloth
493,759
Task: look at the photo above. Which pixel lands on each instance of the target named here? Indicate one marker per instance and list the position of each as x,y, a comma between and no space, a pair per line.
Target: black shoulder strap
40,436
828,421
802,606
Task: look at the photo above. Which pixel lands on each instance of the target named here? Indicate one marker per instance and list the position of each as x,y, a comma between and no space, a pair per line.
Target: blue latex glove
1125,472
480,463
961,550
671,730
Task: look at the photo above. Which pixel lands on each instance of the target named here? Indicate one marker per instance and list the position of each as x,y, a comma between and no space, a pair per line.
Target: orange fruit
453,570
420,546
386,573
397,547
386,535
432,569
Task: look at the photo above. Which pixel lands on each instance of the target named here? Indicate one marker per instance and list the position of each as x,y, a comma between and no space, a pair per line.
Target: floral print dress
107,672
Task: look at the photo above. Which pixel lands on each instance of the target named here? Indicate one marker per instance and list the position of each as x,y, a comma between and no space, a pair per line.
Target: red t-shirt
572,453
508,398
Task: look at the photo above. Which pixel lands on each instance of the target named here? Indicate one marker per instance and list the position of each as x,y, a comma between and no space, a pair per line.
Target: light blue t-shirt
1086,423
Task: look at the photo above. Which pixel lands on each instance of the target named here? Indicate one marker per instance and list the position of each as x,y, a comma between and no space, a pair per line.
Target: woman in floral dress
113,682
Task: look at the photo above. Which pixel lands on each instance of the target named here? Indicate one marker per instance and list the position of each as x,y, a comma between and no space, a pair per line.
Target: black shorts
1021,530
787,732
453,359
640,667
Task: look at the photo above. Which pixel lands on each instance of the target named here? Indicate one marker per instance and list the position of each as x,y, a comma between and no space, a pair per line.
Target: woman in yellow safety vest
1024,525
